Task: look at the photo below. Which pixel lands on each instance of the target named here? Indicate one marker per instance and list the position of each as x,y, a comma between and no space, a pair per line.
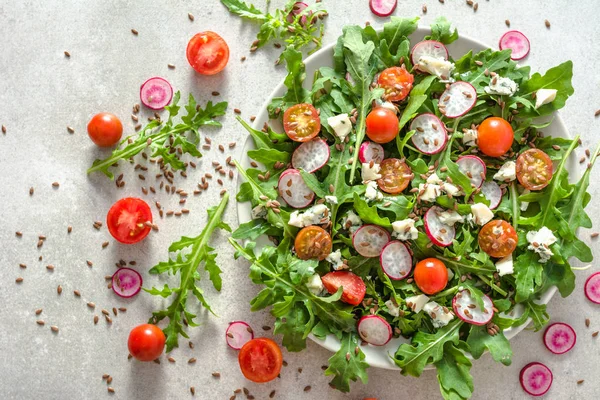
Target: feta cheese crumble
389,106
318,214
436,66
481,213
470,137
405,229
393,309
372,194
429,192
440,316
507,172
505,266
341,125
351,222
314,284
450,217
259,212
416,303
501,86
540,242
370,173
335,258
544,96
331,199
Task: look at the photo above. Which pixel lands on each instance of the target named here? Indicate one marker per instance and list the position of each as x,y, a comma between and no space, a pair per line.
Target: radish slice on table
383,8
369,240
374,330
293,189
536,379
395,260
297,8
492,192
238,333
156,93
467,309
458,99
592,288
430,134
126,282
438,232
370,151
311,156
474,168
560,338
517,42
431,48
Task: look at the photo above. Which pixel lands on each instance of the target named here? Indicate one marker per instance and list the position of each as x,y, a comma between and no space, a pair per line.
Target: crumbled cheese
450,274
331,199
393,309
370,173
481,213
372,194
314,284
405,229
416,303
389,106
335,258
341,125
544,96
259,212
507,172
450,217
498,230
505,266
317,214
429,191
540,242
501,86
351,222
436,66
440,316
434,179
470,137
525,204
452,189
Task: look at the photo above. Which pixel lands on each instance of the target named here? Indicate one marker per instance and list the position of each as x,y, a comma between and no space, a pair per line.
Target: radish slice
369,240
430,136
374,330
383,8
560,338
536,378
293,189
474,168
311,156
238,333
430,48
458,99
438,232
592,288
517,42
370,151
156,93
395,260
492,192
467,309
126,282
297,8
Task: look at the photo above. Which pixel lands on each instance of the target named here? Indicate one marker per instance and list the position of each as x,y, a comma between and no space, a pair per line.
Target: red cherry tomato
312,242
397,83
146,342
301,122
495,136
395,176
127,219
431,275
534,169
105,129
207,53
382,125
260,360
354,288
498,238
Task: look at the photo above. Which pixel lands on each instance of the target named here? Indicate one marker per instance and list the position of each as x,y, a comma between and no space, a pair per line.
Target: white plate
379,356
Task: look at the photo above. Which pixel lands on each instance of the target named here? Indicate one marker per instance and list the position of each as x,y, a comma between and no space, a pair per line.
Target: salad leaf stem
491,284
516,208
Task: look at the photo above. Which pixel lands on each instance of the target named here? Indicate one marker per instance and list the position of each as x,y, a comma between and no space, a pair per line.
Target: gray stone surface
42,92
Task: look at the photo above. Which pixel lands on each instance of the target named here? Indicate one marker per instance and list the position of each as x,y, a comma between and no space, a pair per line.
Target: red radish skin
156,93
474,169
430,135
126,282
517,42
536,379
294,190
383,8
311,156
238,333
430,48
434,228
369,240
592,288
458,99
467,309
297,8
371,151
374,330
491,190
395,260
559,338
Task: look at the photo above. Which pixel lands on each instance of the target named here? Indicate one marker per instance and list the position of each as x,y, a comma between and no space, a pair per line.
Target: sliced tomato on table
127,219
395,176
313,242
301,122
353,287
534,169
498,238
397,83
207,53
495,136
382,125
431,275
260,360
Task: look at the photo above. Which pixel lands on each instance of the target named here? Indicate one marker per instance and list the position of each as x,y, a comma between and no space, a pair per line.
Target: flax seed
19,280
507,22
547,23
595,334
424,8
587,322
50,267
104,245
40,322
192,360
597,113
95,319
54,328
110,389
135,32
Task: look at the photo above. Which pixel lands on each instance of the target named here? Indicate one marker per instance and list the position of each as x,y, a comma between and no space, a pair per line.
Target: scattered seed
40,322
237,111
50,267
193,390
191,17
69,229
104,245
91,304
597,113
547,23
134,31
507,22
272,394
424,8
109,379
216,374
192,360
108,319
587,322
307,388
59,289
171,66
18,233
54,328
594,235
110,389
595,334
579,382
55,184
38,311
95,319
19,280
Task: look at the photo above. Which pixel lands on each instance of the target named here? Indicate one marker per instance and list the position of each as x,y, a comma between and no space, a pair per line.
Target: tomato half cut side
397,83
498,238
301,122
534,169
353,287
207,53
313,242
126,220
395,176
260,360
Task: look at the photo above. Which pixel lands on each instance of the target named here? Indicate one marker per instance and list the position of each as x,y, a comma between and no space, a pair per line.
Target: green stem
492,285
514,198
445,293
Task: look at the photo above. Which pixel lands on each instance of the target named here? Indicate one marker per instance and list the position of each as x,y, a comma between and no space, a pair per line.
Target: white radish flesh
430,134
369,240
467,309
492,192
474,168
156,93
238,334
370,151
126,282
395,260
438,232
536,379
431,48
517,42
592,288
560,338
383,8
294,190
374,330
458,99
311,156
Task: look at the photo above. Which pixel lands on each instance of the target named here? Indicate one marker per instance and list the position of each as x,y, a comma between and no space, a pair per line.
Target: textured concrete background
42,92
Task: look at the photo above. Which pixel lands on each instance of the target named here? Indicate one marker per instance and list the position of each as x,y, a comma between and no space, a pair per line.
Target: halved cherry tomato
382,125
431,275
353,287
127,219
534,169
260,360
395,176
105,129
313,242
146,342
495,136
498,238
207,53
397,83
301,122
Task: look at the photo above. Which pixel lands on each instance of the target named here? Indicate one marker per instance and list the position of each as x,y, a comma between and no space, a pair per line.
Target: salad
412,193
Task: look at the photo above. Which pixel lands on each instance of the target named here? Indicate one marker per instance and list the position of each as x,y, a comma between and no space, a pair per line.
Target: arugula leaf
415,101
347,364
244,10
498,345
441,30
453,372
369,214
394,43
157,136
293,81
187,266
558,78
